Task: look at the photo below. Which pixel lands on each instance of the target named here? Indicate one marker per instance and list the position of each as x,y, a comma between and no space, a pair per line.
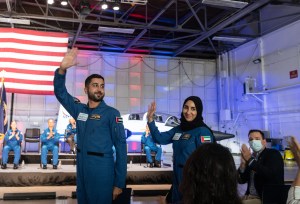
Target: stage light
116,7
64,3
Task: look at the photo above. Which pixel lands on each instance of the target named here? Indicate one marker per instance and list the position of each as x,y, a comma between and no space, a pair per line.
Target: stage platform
30,172
70,159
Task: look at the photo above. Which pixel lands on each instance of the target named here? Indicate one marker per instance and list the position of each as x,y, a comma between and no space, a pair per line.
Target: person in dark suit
262,167
294,191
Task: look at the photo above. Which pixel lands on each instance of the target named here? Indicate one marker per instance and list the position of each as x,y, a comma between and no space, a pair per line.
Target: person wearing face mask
186,137
262,167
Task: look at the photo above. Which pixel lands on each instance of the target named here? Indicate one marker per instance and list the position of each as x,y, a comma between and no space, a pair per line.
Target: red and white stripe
30,58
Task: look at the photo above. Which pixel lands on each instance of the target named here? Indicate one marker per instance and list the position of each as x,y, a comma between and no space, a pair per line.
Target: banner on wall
30,58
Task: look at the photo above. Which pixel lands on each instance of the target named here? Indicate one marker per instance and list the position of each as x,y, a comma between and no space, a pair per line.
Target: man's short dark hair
255,130
89,79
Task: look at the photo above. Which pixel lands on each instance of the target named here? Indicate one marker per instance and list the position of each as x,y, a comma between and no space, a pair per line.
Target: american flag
29,59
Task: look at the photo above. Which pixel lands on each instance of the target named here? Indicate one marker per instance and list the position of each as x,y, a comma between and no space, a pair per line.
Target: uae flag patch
119,120
205,139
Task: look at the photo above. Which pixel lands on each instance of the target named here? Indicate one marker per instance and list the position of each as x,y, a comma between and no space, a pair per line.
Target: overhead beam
145,29
183,20
77,34
8,6
107,23
200,23
222,25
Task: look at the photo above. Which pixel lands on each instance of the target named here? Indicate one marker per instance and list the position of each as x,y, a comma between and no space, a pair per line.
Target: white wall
276,104
132,82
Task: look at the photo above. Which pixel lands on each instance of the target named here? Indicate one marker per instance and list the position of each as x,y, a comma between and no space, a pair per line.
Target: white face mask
256,145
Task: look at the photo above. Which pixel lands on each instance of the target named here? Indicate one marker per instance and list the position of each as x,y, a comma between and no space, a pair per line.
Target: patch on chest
186,137
95,117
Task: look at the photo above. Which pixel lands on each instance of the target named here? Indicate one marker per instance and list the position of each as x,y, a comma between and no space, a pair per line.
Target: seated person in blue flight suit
150,145
13,139
50,140
70,134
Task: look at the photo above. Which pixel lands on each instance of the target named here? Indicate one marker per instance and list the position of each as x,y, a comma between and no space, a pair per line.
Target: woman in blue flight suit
50,141
150,145
13,139
99,127
186,137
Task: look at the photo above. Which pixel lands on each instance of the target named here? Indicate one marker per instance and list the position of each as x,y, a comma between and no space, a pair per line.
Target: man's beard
94,97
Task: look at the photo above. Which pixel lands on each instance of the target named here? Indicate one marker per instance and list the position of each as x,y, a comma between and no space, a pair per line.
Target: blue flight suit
151,146
49,145
70,131
12,144
75,138
98,129
184,144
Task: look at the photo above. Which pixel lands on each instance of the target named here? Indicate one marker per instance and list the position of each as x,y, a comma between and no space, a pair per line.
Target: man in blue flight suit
50,141
71,134
150,145
13,139
99,127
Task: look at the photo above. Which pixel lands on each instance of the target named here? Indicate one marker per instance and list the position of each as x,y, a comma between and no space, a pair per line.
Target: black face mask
198,121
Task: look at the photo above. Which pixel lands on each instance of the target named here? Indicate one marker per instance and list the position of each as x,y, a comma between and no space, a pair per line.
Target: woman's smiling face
189,111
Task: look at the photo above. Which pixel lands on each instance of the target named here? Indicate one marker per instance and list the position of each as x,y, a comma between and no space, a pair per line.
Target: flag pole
2,85
1,102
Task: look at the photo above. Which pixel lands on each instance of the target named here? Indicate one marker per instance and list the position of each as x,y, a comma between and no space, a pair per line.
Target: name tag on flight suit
176,136
82,116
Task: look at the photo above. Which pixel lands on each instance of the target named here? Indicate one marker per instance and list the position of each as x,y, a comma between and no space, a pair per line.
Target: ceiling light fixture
116,30
229,39
15,21
116,7
104,5
226,3
64,2
141,2
50,1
